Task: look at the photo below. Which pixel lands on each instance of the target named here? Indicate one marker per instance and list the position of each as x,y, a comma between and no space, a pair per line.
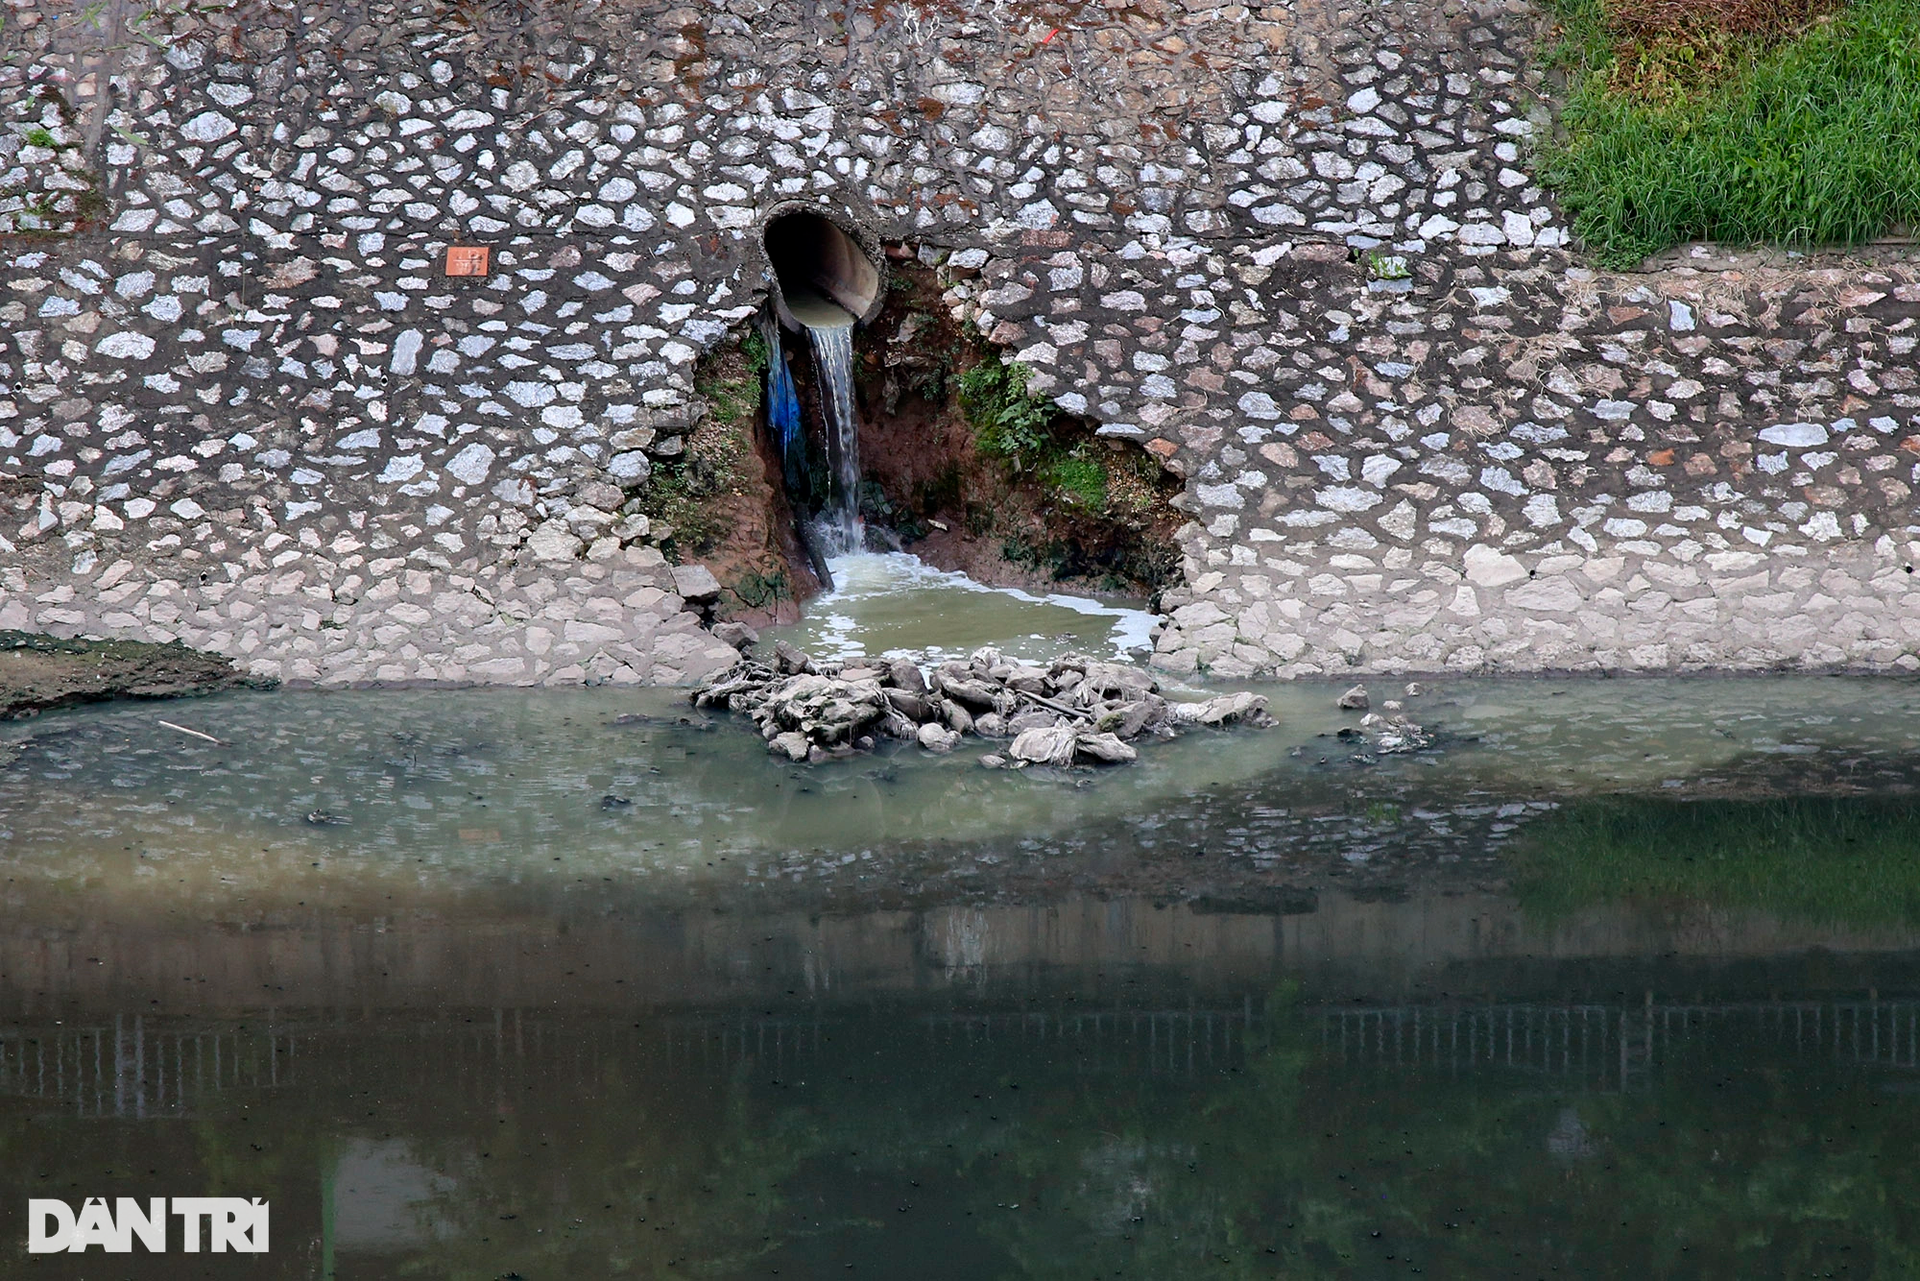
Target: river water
881,604
1622,978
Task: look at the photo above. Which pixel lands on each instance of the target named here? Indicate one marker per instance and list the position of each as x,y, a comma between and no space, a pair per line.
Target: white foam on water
893,603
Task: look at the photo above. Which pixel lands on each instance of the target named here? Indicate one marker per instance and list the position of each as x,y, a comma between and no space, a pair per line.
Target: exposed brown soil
1772,20
42,672
728,505
1663,48
983,558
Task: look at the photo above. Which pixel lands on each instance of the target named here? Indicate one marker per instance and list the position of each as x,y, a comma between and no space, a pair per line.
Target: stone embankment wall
1296,251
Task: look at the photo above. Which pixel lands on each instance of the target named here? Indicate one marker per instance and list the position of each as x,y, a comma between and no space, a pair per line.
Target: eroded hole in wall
972,473
960,464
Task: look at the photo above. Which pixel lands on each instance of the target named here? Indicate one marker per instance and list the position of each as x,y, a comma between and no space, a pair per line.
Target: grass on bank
1088,491
1022,431
1793,122
1825,861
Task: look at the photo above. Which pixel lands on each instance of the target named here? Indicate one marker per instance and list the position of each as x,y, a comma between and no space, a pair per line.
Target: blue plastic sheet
783,410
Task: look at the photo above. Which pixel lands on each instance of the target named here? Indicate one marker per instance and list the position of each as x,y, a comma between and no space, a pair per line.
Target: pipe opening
819,272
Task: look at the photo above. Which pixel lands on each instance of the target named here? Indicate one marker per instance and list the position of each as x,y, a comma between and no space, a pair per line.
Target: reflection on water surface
1622,980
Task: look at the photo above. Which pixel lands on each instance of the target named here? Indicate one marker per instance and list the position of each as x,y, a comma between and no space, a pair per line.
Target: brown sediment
39,672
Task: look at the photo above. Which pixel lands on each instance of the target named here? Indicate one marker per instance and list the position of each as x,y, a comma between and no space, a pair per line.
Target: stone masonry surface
1295,251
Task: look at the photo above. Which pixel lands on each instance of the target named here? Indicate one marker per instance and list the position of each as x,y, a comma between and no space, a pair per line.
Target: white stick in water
196,733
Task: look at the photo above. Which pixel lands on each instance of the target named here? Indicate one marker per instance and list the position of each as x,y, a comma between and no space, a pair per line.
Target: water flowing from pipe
829,329
833,359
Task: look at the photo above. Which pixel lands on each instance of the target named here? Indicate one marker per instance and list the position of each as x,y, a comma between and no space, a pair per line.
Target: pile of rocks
1389,731
1075,710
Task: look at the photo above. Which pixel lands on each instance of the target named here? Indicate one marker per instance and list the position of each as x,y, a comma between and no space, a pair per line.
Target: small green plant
1387,266
731,400
729,380
89,204
754,348
1020,551
38,137
1009,422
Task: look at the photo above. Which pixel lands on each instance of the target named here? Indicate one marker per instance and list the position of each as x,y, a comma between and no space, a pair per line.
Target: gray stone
906,675
736,634
598,493
909,704
630,468
554,542
789,658
696,584
208,126
471,464
1224,710
1487,567
1104,748
938,738
1795,435
1053,745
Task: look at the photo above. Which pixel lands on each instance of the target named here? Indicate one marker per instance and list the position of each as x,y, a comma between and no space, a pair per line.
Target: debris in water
191,732
1389,735
1075,710
322,818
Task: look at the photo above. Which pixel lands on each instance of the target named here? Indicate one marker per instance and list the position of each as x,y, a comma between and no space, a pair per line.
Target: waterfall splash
830,329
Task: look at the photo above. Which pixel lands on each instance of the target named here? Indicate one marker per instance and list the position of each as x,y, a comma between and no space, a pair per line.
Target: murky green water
886,604
1623,979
